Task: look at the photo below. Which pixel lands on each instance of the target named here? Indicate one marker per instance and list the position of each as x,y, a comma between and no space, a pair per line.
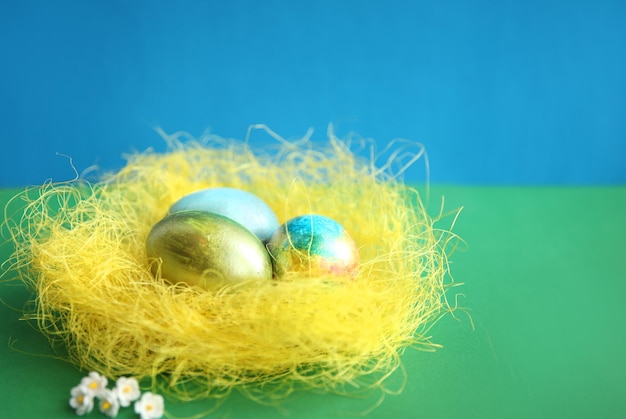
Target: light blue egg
241,206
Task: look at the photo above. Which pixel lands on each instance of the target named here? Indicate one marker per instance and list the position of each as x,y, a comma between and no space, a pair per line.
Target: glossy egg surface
207,250
313,244
242,206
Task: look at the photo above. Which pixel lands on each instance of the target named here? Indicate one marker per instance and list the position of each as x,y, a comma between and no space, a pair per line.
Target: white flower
127,390
95,383
82,399
109,405
150,406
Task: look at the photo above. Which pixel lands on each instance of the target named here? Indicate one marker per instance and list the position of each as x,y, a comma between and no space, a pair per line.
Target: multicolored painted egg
313,244
207,250
244,207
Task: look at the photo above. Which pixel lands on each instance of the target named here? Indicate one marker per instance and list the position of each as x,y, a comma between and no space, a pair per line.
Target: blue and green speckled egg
313,244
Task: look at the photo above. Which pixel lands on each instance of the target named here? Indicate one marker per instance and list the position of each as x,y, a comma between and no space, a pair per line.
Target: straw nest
80,246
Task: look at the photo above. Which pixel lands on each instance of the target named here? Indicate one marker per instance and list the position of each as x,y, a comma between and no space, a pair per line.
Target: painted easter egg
313,244
244,207
207,250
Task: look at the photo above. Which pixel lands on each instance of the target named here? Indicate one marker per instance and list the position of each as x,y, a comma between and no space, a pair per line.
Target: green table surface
544,274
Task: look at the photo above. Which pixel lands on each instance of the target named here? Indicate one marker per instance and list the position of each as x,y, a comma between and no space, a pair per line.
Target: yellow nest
81,247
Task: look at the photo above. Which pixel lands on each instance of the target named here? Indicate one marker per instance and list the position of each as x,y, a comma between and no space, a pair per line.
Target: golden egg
207,250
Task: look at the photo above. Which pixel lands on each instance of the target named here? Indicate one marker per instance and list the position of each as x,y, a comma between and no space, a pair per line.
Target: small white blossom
109,404
82,399
95,383
150,406
127,390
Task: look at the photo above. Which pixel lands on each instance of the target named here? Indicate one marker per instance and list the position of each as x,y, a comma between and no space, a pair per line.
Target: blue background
499,92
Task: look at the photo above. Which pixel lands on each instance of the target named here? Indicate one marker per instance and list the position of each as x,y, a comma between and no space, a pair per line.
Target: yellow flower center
106,405
126,389
93,385
148,407
80,399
